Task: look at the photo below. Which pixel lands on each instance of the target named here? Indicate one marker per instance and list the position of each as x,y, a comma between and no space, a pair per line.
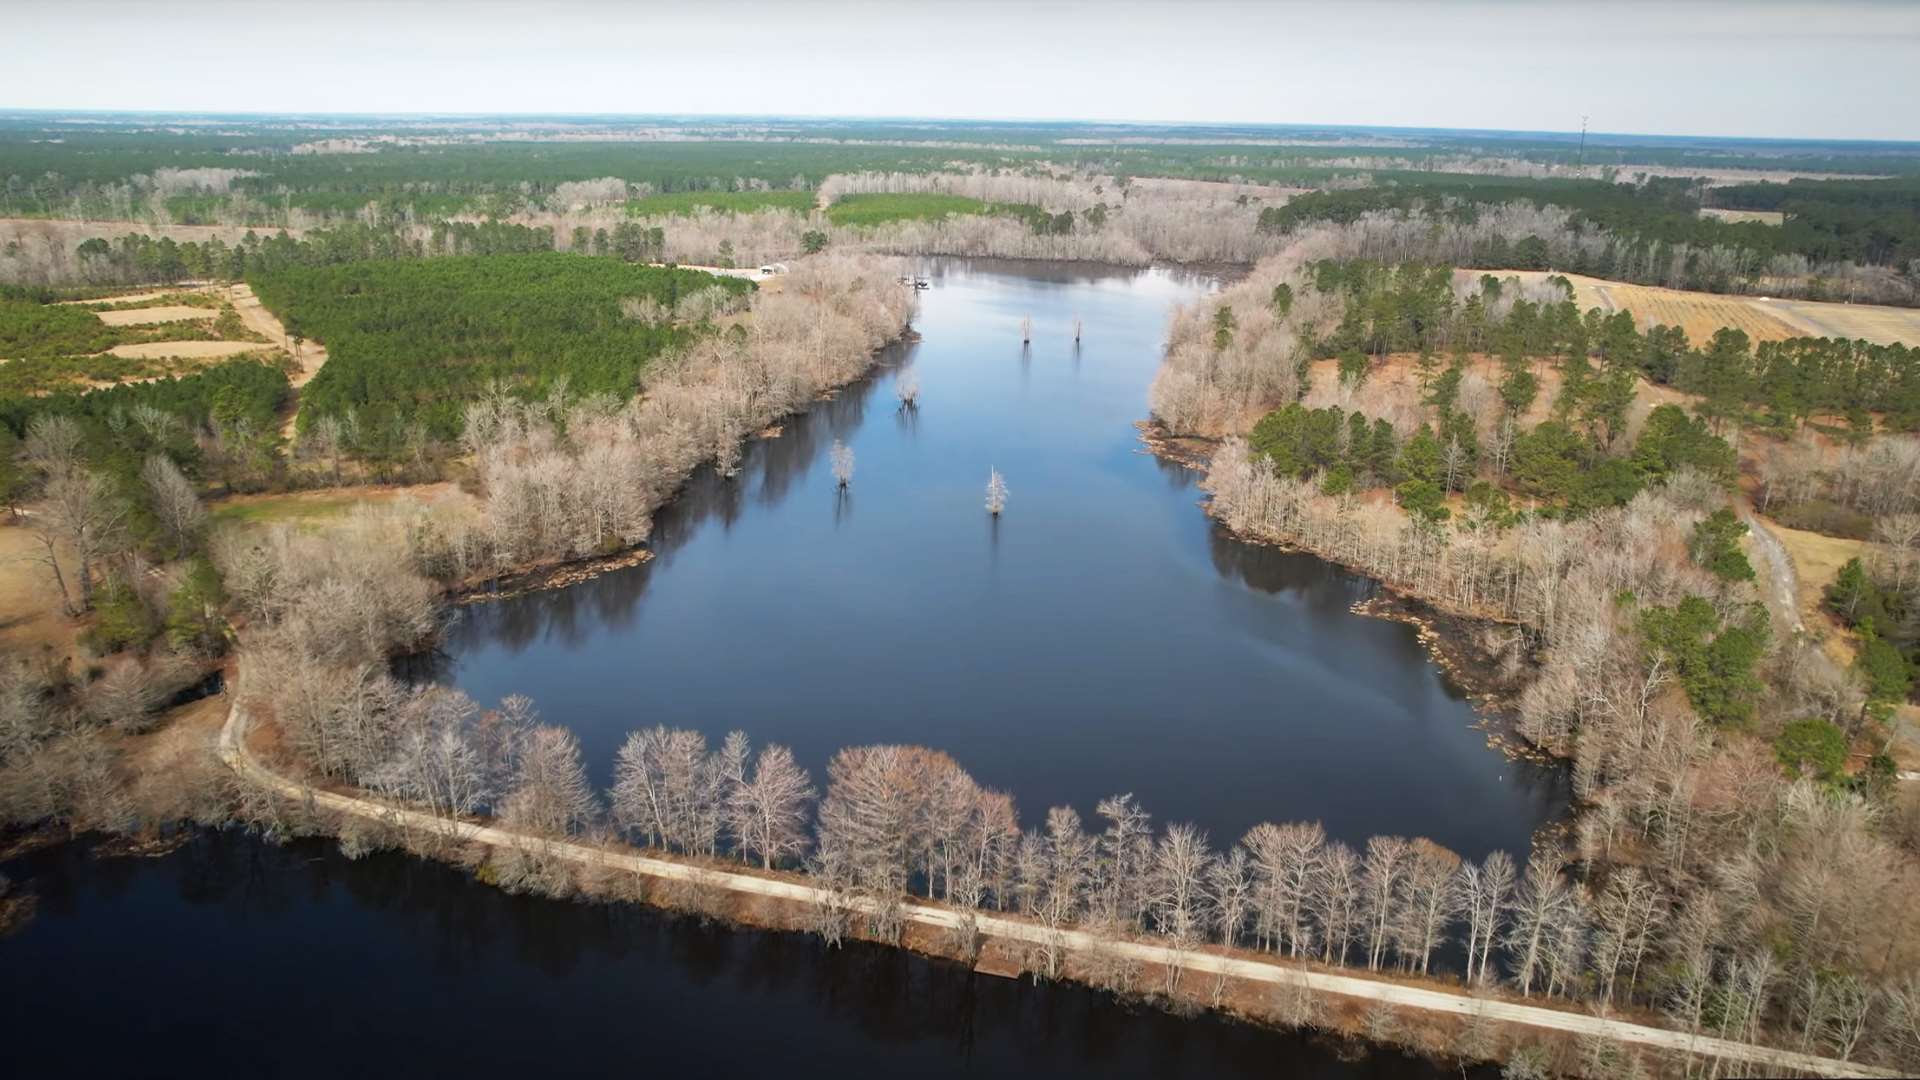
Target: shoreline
1450,637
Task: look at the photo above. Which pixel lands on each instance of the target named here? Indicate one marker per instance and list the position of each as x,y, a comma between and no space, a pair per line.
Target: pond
1101,636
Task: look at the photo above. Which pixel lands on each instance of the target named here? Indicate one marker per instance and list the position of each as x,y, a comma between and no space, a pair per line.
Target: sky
1839,69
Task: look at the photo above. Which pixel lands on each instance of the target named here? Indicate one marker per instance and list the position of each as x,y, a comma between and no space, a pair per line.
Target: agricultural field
685,203
1699,314
1872,322
1762,318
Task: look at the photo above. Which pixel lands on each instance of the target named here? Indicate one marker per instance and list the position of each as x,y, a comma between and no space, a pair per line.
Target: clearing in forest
114,340
321,504
1392,391
190,350
148,316
1764,217
1817,559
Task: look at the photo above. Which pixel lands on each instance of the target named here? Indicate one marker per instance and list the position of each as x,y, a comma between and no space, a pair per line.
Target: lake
1101,636
232,956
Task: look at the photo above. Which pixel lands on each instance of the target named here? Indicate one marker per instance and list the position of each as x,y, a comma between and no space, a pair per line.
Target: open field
1817,560
1873,322
190,350
1763,319
1765,217
134,298
30,620
325,503
148,316
1699,314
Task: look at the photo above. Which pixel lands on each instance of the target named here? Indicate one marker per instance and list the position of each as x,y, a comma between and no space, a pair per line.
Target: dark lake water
232,957
1101,637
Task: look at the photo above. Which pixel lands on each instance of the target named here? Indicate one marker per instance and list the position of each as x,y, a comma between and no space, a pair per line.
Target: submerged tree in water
907,389
996,492
842,457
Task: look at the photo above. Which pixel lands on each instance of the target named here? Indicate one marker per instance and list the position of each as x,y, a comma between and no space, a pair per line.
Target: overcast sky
1833,70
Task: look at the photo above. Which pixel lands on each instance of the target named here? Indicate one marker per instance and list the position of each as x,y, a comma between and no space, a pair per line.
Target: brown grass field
1763,318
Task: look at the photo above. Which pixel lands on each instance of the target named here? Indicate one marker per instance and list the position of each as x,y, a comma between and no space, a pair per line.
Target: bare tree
1483,893
549,794
1428,902
872,812
996,492
1335,900
1385,864
1901,535
659,785
771,807
842,457
1057,866
1629,913
1180,871
1230,891
1285,860
87,517
174,501
1541,899
1126,856
437,761
907,389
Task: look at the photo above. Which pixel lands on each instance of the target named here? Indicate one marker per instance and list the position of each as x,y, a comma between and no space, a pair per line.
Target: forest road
1781,586
309,355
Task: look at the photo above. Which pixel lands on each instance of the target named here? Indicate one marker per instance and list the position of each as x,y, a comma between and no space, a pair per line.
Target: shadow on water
240,956
768,469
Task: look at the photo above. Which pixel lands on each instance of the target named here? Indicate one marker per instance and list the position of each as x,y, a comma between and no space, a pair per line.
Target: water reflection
238,956
1104,636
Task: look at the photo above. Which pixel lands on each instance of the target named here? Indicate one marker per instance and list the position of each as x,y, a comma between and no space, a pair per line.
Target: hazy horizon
1703,69
694,118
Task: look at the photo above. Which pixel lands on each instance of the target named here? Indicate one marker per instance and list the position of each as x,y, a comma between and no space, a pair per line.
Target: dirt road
309,355
234,752
1779,584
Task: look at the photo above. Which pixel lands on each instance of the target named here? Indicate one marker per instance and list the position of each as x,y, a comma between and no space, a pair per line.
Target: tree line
1650,225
